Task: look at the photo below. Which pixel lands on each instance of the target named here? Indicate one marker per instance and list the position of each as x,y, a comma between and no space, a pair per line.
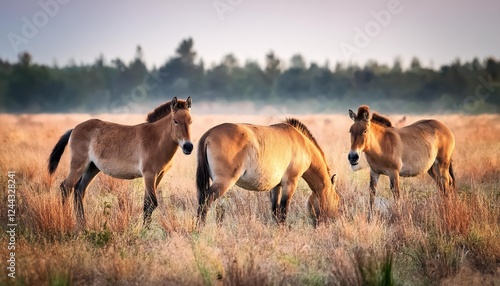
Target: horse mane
361,110
164,110
381,120
302,128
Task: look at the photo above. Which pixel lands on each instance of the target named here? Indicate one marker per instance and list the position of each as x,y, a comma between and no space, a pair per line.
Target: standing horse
424,146
124,152
263,158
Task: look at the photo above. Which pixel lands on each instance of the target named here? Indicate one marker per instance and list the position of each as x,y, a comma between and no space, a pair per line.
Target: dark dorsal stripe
384,121
304,130
164,110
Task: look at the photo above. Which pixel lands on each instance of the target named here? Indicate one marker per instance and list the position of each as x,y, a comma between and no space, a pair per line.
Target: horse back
429,130
258,156
422,143
102,135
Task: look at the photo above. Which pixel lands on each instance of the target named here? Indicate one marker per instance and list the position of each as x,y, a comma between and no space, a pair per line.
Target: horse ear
334,179
366,115
173,103
188,102
352,115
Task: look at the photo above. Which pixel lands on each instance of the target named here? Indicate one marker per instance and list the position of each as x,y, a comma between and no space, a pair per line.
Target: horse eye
176,122
364,132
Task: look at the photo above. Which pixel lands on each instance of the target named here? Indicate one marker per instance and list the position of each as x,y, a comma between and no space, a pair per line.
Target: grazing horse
424,146
263,158
124,152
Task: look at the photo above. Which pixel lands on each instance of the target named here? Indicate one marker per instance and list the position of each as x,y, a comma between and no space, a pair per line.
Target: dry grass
423,239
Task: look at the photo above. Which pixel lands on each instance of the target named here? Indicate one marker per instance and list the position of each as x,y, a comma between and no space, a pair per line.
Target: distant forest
114,86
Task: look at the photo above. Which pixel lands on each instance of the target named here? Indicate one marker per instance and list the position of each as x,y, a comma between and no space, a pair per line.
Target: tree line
468,87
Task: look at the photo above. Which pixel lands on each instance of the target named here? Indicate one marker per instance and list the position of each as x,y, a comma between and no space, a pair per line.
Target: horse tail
203,169
58,150
452,176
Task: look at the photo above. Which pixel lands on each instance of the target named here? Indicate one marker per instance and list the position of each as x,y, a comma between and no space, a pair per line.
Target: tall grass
422,239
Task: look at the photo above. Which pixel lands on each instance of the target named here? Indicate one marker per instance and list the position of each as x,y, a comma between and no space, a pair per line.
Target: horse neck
317,176
374,148
164,130
318,179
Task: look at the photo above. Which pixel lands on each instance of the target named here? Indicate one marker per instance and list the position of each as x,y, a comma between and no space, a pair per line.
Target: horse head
180,124
359,134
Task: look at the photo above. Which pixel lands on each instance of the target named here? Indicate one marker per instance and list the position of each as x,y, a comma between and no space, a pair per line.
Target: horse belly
118,168
123,175
415,168
419,156
258,181
261,174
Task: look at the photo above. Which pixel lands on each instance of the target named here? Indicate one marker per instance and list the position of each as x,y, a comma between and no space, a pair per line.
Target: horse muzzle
353,158
187,147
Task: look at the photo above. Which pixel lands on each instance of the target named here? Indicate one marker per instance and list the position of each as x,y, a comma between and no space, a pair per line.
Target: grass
423,239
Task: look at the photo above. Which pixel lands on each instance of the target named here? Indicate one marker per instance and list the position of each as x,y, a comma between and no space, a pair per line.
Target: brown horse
263,158
424,146
124,152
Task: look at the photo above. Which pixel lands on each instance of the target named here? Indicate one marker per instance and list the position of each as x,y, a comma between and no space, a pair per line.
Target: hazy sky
435,31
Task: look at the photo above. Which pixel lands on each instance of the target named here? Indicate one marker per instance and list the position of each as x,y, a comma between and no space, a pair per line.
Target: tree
185,51
137,68
273,67
297,62
230,62
29,86
25,59
415,64
180,74
26,86
397,66
476,65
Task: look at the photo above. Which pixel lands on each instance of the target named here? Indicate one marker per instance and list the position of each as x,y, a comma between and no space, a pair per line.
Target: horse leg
150,201
159,192
444,177
80,189
452,177
288,188
206,198
434,173
158,178
313,209
373,190
275,196
394,181
77,168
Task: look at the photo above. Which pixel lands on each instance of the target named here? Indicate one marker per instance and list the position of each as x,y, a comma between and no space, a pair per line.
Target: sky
437,32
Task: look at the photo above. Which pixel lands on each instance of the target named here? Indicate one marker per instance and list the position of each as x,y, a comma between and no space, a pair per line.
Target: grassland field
424,239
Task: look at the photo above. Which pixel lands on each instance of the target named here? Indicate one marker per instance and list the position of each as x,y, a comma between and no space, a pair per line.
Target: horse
125,152
264,158
424,146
